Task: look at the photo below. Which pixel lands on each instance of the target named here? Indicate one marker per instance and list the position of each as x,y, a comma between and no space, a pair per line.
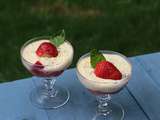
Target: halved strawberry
47,49
107,70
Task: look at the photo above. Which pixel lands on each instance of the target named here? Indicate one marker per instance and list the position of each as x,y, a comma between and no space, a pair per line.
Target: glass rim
32,40
107,81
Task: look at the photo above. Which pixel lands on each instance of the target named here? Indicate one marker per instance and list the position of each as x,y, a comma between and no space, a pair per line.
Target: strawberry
37,68
107,70
38,65
47,49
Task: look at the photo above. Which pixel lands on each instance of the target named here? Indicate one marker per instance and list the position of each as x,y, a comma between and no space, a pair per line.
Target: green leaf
59,39
96,57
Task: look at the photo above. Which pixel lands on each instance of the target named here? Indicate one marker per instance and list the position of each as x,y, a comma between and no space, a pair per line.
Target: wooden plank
145,90
151,64
15,103
82,104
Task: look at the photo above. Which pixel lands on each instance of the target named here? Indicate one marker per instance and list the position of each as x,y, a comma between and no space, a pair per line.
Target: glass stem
104,104
49,84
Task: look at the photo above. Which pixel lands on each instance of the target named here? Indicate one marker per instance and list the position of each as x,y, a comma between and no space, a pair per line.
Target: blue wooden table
140,98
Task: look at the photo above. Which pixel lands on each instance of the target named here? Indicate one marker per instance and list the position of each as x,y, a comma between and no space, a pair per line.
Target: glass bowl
48,95
102,89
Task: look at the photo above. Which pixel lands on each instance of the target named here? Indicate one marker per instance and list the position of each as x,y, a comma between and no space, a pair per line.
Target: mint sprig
96,57
58,39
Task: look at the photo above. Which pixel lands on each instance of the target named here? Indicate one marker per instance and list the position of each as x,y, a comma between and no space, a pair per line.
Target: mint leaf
96,57
59,39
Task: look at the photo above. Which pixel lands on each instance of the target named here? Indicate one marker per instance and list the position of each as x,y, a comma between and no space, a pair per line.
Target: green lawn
131,27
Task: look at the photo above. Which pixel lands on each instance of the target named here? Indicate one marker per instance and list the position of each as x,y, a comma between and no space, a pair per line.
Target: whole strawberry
47,49
107,70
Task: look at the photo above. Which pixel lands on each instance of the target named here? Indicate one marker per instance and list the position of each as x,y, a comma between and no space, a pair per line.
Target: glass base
40,98
116,113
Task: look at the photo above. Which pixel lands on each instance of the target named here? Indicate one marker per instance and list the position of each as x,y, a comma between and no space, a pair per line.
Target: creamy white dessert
58,63
94,83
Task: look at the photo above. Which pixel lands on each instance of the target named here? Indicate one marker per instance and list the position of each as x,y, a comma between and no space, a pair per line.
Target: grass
131,27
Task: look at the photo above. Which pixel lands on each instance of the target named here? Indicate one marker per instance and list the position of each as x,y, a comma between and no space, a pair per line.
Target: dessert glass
47,95
106,109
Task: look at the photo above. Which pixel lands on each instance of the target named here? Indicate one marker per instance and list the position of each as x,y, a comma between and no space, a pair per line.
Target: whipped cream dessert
87,76
58,63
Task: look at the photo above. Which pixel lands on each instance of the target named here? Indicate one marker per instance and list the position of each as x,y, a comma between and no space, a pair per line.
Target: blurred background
131,27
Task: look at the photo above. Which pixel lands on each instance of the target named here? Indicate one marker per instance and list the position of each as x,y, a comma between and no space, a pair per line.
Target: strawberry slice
107,70
37,68
38,65
47,49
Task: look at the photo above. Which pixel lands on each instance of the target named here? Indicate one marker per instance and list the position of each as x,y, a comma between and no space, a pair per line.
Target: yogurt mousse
51,65
87,76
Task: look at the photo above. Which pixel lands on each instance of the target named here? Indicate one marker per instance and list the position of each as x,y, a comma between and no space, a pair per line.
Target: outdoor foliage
130,27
